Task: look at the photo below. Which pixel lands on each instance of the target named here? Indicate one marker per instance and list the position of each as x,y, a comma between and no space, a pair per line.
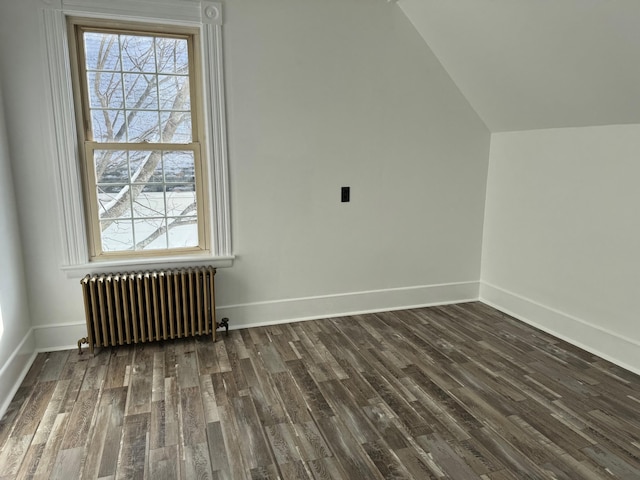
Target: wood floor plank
158,376
164,464
113,427
445,457
34,371
157,429
349,453
237,463
171,418
345,407
209,403
12,454
327,468
217,450
30,461
192,416
221,355
388,464
206,357
52,446
80,420
98,437
53,367
295,470
34,409
68,463
314,400
309,354
75,374
266,399
197,462
132,461
289,394
119,359
449,392
140,382
17,405
253,445
283,442
419,466
48,418
96,371
479,459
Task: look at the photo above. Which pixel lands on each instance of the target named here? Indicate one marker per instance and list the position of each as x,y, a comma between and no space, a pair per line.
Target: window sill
158,263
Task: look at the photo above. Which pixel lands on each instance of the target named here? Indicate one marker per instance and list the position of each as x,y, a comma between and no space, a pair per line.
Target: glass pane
156,176
130,101
149,231
111,166
176,127
105,89
113,201
137,161
159,243
183,232
143,126
171,55
102,51
174,92
117,235
138,54
181,200
104,199
108,125
149,202
146,166
155,242
179,167
141,91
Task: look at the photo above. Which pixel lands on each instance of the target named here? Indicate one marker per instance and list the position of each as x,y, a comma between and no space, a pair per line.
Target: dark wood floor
457,392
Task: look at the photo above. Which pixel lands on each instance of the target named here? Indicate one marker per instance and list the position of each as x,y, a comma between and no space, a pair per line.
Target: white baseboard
609,345
15,369
61,336
65,336
354,303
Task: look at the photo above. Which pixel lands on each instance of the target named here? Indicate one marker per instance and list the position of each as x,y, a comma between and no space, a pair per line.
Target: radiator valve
223,323
82,341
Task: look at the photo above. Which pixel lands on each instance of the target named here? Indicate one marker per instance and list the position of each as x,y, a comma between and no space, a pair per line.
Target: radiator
125,308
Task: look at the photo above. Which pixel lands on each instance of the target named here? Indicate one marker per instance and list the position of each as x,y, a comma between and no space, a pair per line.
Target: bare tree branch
112,89
165,228
149,164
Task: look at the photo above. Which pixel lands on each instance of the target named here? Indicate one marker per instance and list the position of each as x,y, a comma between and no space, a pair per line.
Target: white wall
16,341
320,94
562,235
532,64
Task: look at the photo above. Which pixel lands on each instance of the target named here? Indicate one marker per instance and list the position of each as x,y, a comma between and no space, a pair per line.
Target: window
138,99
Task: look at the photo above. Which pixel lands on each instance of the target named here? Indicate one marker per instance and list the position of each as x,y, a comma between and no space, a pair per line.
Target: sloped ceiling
530,64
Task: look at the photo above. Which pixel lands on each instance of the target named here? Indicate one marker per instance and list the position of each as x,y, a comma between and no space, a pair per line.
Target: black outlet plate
345,194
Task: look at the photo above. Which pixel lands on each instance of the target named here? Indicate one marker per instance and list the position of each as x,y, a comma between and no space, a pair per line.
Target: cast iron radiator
125,308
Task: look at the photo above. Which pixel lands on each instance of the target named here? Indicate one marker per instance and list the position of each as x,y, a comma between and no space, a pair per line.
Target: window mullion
91,195
194,146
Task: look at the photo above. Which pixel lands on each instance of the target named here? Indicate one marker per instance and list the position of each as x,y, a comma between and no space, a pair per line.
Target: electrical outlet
345,194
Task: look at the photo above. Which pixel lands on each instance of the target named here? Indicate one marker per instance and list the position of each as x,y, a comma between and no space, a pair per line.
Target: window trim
205,16
87,146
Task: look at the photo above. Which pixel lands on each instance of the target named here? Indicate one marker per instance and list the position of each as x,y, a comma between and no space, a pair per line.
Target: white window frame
207,17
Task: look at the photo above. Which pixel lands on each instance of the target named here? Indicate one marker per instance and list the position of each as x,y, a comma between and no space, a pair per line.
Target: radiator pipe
223,323
80,342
